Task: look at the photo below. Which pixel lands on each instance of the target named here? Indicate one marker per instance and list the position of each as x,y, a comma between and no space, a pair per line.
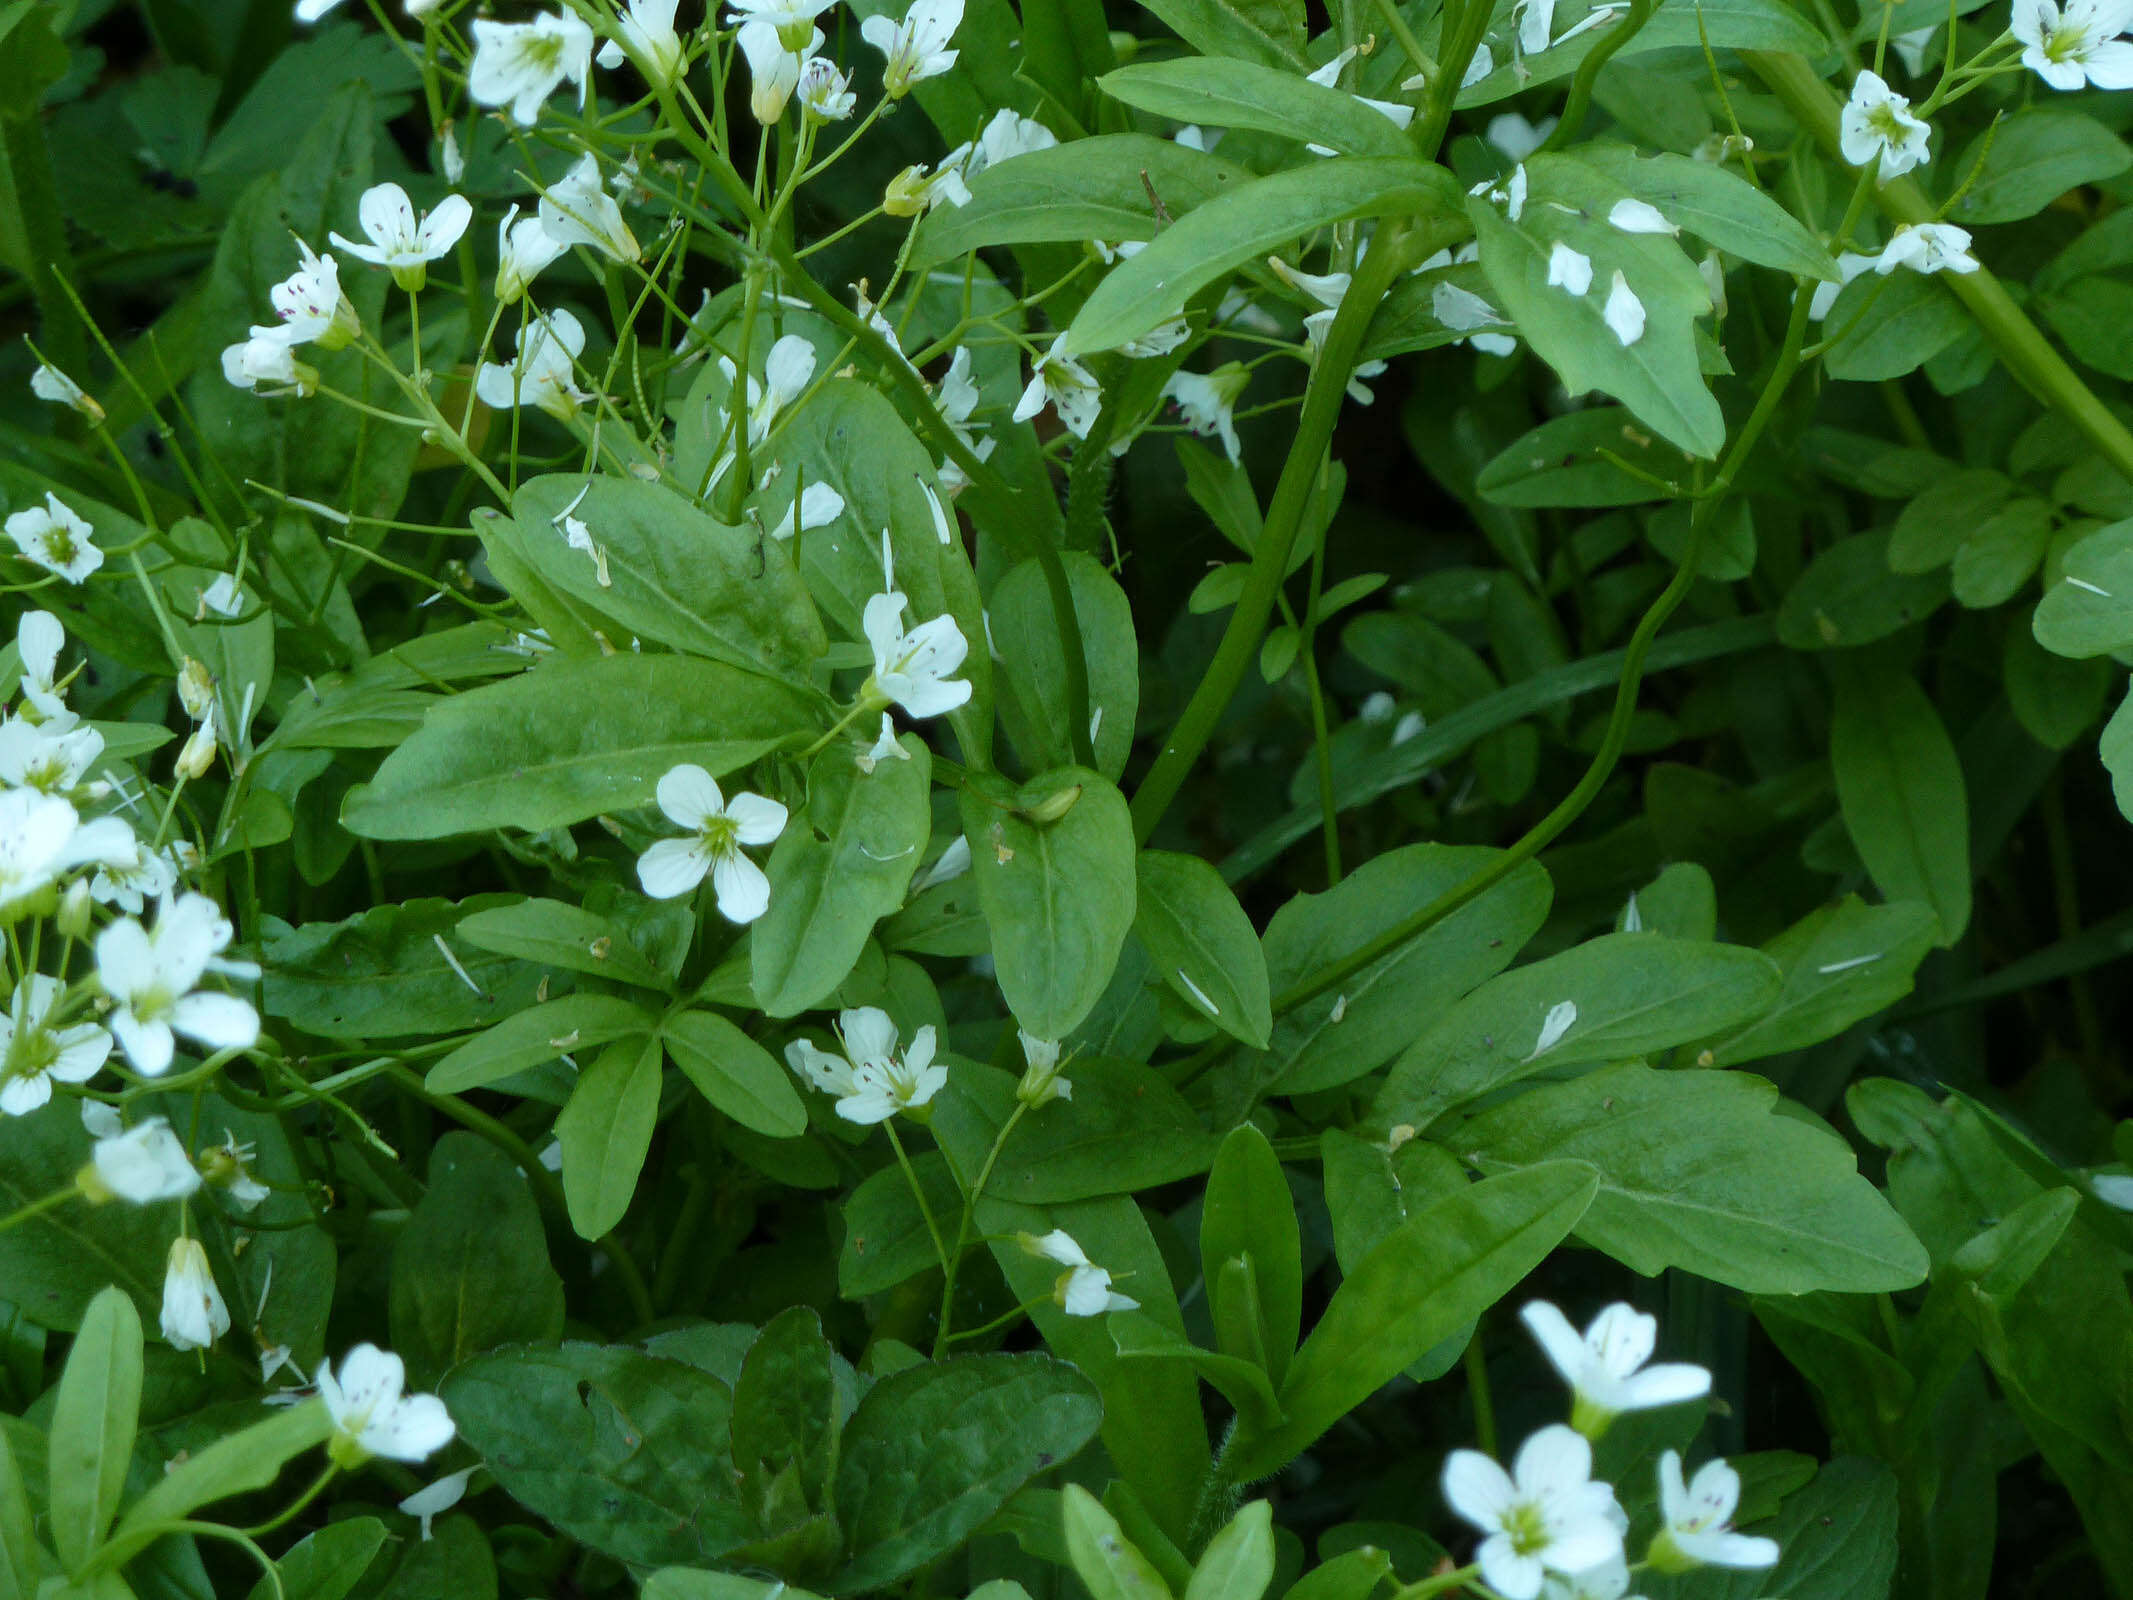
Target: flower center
720,836
60,543
1883,120
1527,1527
2063,42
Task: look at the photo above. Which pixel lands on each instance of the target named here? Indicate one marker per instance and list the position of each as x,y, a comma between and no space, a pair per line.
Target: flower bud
196,689
906,193
194,1315
73,916
1052,807
198,754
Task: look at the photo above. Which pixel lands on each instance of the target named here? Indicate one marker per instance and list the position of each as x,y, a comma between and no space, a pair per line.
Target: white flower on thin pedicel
41,840
957,398
1569,269
228,1166
194,1315
1698,1516
2075,45
1042,1082
646,28
916,48
913,668
34,1055
1545,1514
1207,403
49,383
1605,1366
520,64
1057,380
151,978
130,884
918,189
524,248
1850,264
401,242
1007,135
871,1081
825,91
1084,1289
56,539
312,307
1877,121
579,210
1624,312
373,1416
1928,247
53,755
541,373
266,364
773,68
691,797
434,1500
141,1164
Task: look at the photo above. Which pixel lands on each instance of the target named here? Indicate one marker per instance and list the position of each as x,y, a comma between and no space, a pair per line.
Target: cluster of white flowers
1548,1526
1921,247
1083,1289
870,1080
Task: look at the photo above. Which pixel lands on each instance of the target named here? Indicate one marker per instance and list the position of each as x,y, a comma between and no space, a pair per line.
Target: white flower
579,210
915,189
1929,247
129,884
916,48
825,92
1607,1581
914,669
1877,121
399,240
817,506
1041,1080
1084,1289
373,1417
2113,1189
1328,77
1515,137
56,539
1635,216
1007,135
38,640
266,364
795,19
1319,324
1624,312
1569,269
41,839
690,796
871,1082
2077,45
434,1500
540,375
142,1164
1159,340
194,1316
1208,402
884,748
229,1165
151,978
958,398
34,1055
523,249
312,308
646,29
1850,264
1546,1514
1605,1366
520,64
1066,385
49,383
773,69
787,371
53,755
1699,1515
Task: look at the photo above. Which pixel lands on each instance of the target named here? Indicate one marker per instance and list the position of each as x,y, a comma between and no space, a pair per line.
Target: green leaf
93,1420
1659,376
385,974
237,1463
1368,1017
622,1451
2089,610
1841,963
785,1413
1889,326
470,1271
1244,1384
886,1240
557,934
1901,789
1058,894
839,867
1838,1538
677,1583
936,1449
1720,208
1702,1170
1247,1214
325,1565
606,1131
1432,1275
1849,597
24,1563
1203,944
2030,159
1107,1562
2001,552
1206,244
1238,1562
1933,526
1559,464
1035,677
1241,30
1264,99
1124,1129
1675,25
55,1261
1622,994
577,1022
735,1073
1084,189
568,740
2057,700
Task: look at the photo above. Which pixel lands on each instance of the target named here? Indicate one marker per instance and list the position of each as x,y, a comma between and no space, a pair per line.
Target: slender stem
1477,1387
1615,37
296,1506
962,1232
35,1208
918,1191
1437,1583
1001,1321
1321,739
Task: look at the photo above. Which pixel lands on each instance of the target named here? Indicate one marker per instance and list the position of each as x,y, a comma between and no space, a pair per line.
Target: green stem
1477,1386
918,1192
1613,39
962,1232
1438,1583
296,1506
36,1208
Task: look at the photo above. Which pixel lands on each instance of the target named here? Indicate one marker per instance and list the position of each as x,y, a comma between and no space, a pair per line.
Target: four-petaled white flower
1545,1514
1041,1081
1060,381
1698,1518
691,797
916,48
913,669
871,1081
1928,247
56,539
1877,121
41,840
399,240
1569,269
773,67
312,308
151,978
645,29
34,1055
825,91
2078,44
266,364
194,1315
1624,312
141,1164
579,210
1007,135
1207,403
520,64
1605,1366
374,1416
524,247
53,755
541,373
1084,1289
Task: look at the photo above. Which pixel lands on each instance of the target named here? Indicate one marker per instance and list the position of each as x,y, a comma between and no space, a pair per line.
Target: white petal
743,891
672,868
219,1021
1477,1489
757,819
690,796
